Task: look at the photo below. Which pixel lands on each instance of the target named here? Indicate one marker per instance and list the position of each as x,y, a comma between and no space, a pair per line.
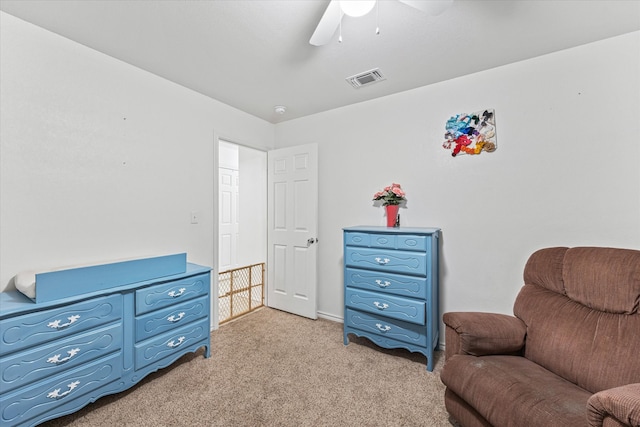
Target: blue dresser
59,355
391,287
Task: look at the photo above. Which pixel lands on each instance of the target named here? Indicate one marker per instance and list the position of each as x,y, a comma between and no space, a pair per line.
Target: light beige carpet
271,368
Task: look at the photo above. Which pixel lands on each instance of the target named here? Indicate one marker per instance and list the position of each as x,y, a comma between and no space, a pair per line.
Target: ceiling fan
336,9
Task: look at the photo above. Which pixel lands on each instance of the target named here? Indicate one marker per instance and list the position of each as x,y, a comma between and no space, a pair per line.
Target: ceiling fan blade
431,7
328,24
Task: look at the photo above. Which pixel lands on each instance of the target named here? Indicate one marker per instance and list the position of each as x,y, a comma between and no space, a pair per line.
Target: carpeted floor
271,368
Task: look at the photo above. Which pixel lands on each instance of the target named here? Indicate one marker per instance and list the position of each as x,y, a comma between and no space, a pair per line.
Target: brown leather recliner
569,357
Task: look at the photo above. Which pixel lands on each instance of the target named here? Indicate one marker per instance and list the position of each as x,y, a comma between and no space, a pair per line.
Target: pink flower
391,195
397,191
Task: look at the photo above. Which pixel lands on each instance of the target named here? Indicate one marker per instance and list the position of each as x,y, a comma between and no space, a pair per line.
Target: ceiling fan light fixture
356,8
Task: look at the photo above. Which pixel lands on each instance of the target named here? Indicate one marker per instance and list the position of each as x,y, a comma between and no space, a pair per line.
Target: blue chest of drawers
391,287
58,356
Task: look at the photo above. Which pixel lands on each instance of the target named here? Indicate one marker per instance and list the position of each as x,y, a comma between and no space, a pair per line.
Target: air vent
366,78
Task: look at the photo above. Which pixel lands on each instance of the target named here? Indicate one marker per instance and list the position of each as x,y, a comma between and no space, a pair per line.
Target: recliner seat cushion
511,391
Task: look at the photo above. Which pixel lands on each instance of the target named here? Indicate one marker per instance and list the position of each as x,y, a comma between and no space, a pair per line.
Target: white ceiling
254,55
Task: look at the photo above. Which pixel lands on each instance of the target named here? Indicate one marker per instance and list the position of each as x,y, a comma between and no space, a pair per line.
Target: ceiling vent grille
366,78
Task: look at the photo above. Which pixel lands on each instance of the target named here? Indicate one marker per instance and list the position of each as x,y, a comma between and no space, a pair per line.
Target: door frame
215,267
216,219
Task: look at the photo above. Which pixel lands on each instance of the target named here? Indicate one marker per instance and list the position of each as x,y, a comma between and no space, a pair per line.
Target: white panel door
228,230
293,229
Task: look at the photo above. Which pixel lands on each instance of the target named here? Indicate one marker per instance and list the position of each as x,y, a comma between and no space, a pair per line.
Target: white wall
566,171
101,160
252,241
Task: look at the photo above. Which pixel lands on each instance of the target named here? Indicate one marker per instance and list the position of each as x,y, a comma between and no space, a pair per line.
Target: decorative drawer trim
154,349
393,261
170,293
30,402
410,242
385,327
383,241
357,239
171,317
36,363
19,332
409,310
403,285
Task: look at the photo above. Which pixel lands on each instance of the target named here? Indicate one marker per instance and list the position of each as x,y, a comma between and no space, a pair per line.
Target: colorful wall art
471,133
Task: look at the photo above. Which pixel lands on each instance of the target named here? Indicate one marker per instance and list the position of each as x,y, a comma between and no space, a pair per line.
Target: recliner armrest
621,403
480,334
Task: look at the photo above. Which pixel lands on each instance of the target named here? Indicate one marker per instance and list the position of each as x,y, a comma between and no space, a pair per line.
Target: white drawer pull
57,325
56,359
382,261
174,344
381,306
384,328
383,284
55,394
177,318
174,294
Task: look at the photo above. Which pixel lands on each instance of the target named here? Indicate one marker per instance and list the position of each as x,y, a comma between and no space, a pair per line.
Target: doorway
242,236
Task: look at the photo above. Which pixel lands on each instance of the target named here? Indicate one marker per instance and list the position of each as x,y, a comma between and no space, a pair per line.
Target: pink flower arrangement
391,195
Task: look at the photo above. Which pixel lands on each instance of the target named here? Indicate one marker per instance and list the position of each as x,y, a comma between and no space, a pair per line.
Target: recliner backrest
581,308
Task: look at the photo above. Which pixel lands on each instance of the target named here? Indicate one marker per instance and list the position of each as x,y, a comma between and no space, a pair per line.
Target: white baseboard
331,317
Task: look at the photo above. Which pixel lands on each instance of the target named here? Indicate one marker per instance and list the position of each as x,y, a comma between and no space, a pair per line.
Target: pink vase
392,214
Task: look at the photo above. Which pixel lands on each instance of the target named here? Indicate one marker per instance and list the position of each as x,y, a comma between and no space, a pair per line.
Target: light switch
195,217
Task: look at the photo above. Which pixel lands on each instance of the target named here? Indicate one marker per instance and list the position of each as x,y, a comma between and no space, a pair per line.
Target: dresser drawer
408,242
30,329
48,360
353,238
397,284
387,260
169,293
29,402
171,317
385,327
154,349
406,309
